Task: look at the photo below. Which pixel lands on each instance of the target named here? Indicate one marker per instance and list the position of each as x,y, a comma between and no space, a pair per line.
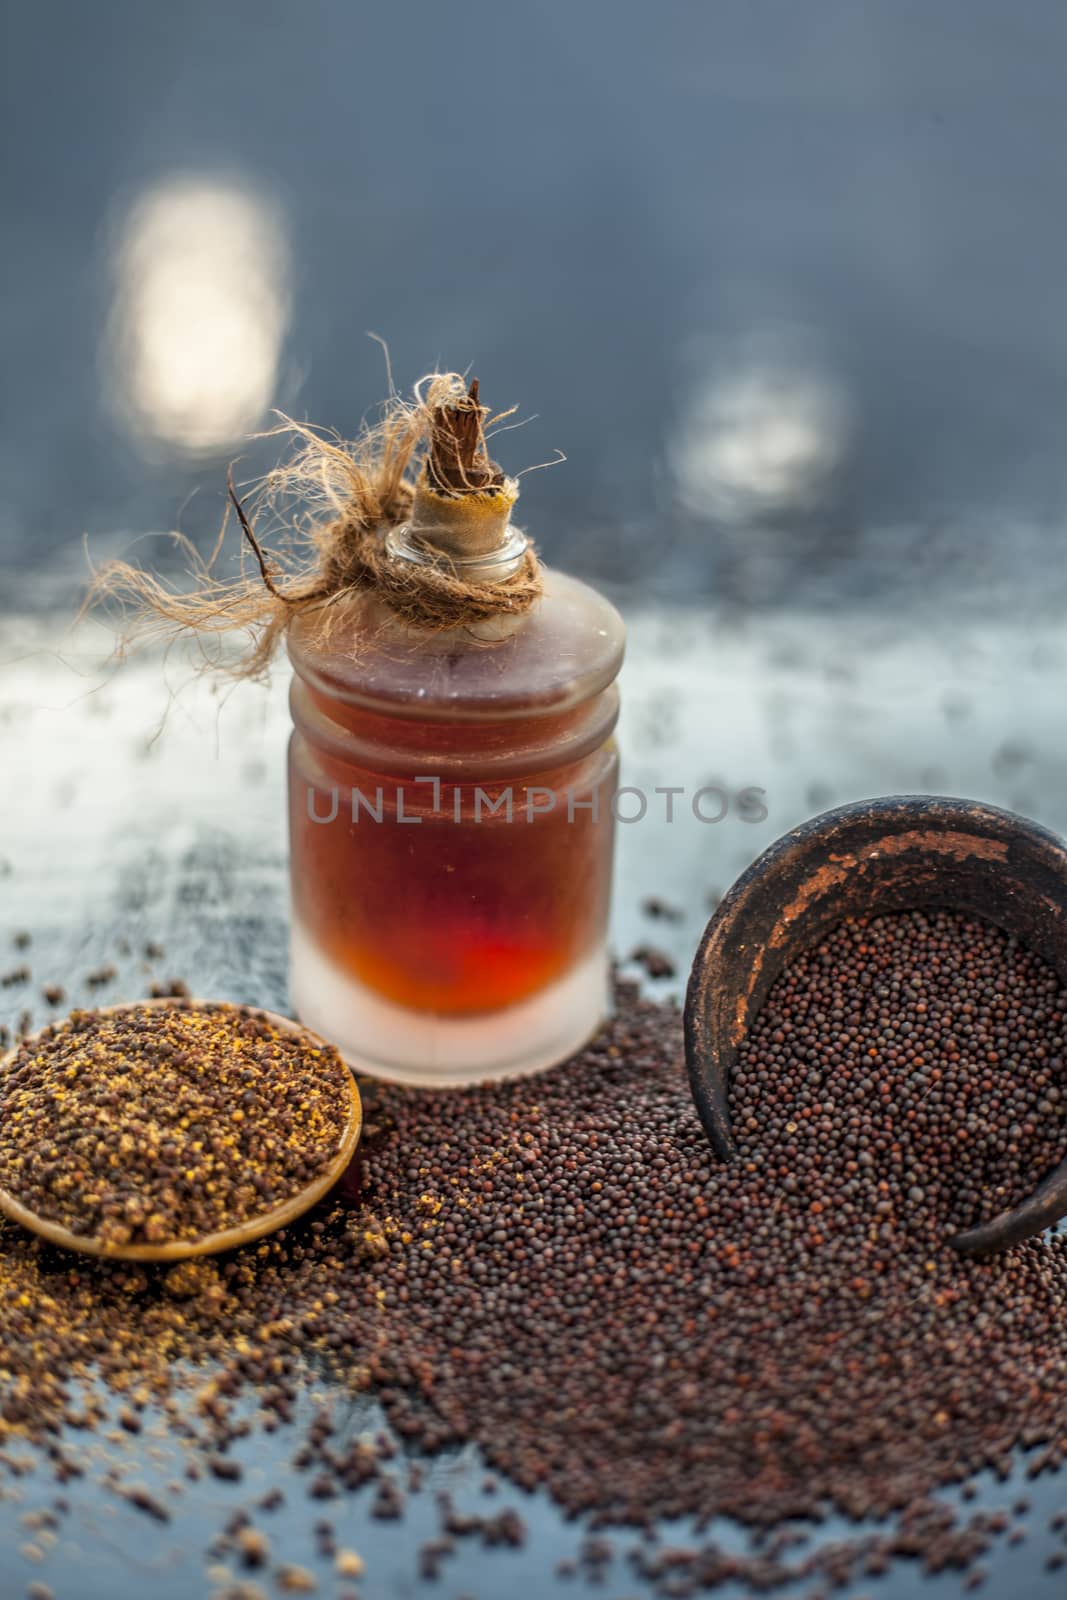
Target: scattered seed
656,963
653,906
253,1547
295,1580
173,989
144,1500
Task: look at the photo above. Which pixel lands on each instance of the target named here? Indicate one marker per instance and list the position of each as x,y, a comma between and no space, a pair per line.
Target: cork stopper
463,500
458,459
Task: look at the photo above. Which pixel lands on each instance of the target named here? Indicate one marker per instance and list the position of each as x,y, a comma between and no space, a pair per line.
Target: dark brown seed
253,1547
173,989
145,1501
653,906
655,962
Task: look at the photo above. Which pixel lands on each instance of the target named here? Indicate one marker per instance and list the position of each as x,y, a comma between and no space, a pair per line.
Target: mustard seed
558,1270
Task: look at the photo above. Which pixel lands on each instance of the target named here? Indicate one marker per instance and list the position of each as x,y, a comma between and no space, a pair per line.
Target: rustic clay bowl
900,853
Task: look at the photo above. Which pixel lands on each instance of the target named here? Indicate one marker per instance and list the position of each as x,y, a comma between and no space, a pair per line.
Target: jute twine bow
373,487
435,594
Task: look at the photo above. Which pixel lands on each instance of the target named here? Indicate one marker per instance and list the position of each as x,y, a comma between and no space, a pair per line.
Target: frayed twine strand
355,494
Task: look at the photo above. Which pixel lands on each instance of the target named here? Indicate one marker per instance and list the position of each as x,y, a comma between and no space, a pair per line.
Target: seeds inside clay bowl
904,853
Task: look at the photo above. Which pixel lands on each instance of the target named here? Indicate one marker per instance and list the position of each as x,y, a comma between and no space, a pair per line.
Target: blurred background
785,283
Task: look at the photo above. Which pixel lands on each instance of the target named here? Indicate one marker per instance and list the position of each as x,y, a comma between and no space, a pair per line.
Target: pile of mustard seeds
145,1125
559,1270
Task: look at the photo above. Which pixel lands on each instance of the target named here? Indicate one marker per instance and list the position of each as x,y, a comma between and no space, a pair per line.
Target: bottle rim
404,544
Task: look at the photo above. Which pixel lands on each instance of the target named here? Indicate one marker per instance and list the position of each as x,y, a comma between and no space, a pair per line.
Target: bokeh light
765,432
200,311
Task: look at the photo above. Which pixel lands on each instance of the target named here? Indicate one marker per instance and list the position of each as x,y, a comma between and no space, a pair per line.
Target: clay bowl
210,1243
901,853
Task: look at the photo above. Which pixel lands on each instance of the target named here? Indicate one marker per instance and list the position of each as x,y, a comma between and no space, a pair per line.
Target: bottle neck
471,531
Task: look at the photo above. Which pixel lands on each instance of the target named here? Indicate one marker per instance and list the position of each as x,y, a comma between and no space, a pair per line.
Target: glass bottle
451,818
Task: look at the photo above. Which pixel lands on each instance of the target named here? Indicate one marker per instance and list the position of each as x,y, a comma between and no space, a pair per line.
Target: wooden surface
132,816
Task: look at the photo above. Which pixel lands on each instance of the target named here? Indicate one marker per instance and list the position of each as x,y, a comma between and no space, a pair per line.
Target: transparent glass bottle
451,824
